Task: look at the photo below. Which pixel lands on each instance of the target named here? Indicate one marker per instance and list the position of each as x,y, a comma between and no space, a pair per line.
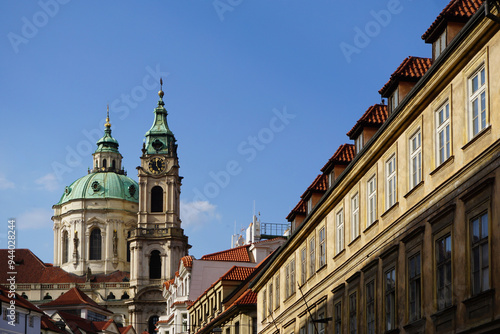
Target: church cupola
159,139
107,158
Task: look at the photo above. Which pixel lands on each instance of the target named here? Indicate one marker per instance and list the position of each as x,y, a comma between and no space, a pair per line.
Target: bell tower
158,243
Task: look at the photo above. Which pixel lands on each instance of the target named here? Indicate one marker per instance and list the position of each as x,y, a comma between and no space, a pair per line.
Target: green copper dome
102,185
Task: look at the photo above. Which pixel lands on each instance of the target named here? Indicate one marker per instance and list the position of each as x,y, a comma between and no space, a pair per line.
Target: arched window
113,164
95,244
128,247
157,199
152,324
104,164
65,246
155,265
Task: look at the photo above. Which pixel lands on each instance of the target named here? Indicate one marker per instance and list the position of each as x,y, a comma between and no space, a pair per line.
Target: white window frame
331,178
359,142
303,262
322,247
393,100
371,190
354,216
481,97
312,256
415,151
443,133
390,182
309,205
440,44
339,219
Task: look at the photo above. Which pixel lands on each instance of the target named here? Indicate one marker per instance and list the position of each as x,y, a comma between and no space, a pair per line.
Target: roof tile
237,254
73,296
411,69
374,116
187,261
456,10
343,156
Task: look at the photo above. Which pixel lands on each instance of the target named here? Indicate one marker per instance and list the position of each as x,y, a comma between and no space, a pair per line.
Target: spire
107,125
106,156
159,138
107,142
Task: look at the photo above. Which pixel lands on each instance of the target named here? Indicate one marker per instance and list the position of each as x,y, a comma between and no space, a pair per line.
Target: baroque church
115,239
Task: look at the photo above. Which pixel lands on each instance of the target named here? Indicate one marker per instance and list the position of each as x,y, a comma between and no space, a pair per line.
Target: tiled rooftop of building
73,296
187,261
300,208
125,330
47,324
103,325
456,10
237,254
168,283
343,156
20,301
374,116
76,324
237,273
247,298
320,184
411,69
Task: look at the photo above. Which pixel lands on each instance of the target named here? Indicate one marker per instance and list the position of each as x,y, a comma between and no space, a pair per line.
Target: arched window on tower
95,244
155,265
104,163
128,247
157,199
113,164
65,246
152,324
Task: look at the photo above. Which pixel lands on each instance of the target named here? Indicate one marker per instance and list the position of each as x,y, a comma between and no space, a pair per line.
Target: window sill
480,305
444,319
395,205
354,240
445,163
369,227
321,268
415,326
339,254
480,134
414,189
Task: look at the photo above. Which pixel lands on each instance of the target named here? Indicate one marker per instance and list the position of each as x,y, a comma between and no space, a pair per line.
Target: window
331,178
312,256
270,290
393,101
340,231
287,280
477,101
302,330
322,247
157,199
390,299
353,312
277,285
184,322
65,247
390,170
264,304
95,244
31,320
372,200
443,272
415,159
414,283
443,147
292,276
309,205
155,265
321,325
354,217
440,45
359,142
237,327
479,254
370,307
303,267
338,317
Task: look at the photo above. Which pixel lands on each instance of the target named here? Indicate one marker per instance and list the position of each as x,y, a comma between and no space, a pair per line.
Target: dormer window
439,45
309,205
331,178
359,143
393,100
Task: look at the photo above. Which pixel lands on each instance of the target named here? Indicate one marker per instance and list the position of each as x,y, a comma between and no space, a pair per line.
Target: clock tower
158,243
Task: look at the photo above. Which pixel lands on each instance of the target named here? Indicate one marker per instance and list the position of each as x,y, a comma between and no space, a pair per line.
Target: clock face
156,165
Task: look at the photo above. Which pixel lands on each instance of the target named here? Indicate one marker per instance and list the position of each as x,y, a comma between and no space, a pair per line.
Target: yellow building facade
406,238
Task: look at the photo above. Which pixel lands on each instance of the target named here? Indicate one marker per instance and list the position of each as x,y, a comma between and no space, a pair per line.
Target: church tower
158,243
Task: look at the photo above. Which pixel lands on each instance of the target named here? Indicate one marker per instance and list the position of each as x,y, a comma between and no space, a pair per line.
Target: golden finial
108,125
160,93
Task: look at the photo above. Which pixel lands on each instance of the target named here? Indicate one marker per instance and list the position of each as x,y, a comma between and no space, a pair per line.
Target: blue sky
260,94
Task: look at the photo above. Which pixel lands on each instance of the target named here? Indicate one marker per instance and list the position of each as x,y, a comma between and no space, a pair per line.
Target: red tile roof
343,156
319,185
411,69
375,116
300,208
102,325
30,269
168,283
187,261
48,324
73,297
124,330
237,254
247,298
20,301
237,273
456,11
75,323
